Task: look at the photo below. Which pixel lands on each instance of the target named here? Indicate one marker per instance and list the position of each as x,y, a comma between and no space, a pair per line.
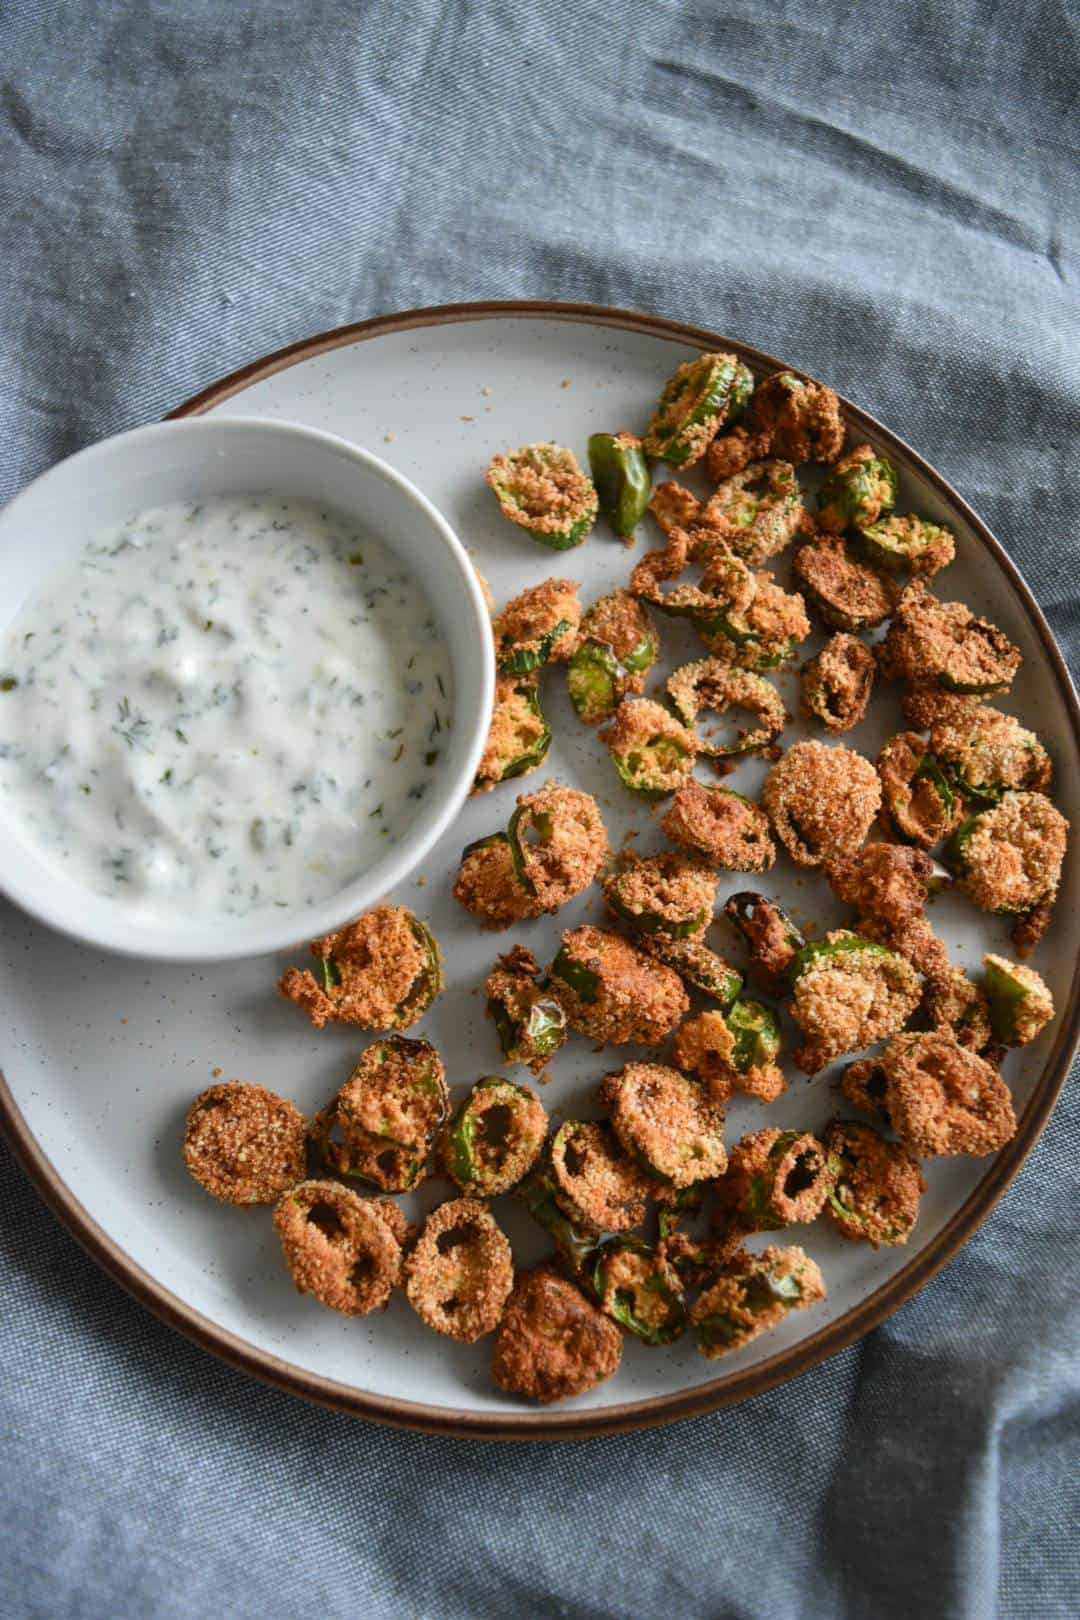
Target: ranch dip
224,705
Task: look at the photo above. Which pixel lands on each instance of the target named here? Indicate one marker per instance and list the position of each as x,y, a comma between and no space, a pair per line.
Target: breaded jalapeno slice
733,1050
542,489
670,1125
697,966
821,801
703,395
669,894
382,971
918,796
788,416
495,1137
595,1182
537,627
943,1099
637,1287
343,1250
530,1023
518,736
878,1185
847,594
764,634
576,1242
459,1272
860,489
837,683
862,1084
1008,859
612,992
774,1179
848,992
244,1144
757,511
552,1342
931,640
725,827
383,1123
651,750
1020,1002
623,483
953,1001
907,544
987,753
616,647
751,1295
713,685
771,938
488,885
558,843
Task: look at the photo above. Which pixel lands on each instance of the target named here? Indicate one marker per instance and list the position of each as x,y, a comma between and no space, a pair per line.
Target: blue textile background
883,194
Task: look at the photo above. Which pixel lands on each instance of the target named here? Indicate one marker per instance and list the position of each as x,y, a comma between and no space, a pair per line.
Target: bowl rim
727,1390
282,929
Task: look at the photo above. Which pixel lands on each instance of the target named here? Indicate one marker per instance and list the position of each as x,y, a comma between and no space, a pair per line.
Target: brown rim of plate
718,1392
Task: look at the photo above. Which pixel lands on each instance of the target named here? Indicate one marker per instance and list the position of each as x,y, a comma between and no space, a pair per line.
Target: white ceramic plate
102,1055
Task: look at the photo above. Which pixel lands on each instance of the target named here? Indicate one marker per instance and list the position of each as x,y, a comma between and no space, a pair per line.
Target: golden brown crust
459,1273
848,1000
344,1250
667,1122
705,1046
943,1098
244,1144
929,640
749,1297
951,1001
669,893
837,683
991,751
727,829
774,1179
488,887
847,594
878,1188
516,729
552,1343
531,616
821,801
598,1185
636,998
563,844
376,962
788,416
383,1124
1013,857
641,725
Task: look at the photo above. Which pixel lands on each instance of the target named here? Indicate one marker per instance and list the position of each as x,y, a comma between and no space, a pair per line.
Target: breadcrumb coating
552,1342
380,972
670,893
542,488
774,1179
597,1184
751,1295
878,1187
459,1272
489,888
517,732
757,511
710,683
943,1099
727,829
921,805
343,1250
850,998
821,801
933,640
991,752
952,1001
558,844
670,1125
653,752
244,1144
1013,853
529,619
837,683
615,993
705,1046
791,417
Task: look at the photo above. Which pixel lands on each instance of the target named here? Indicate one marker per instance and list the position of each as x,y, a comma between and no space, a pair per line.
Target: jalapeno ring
697,966
594,1181
495,1137
344,1250
612,992
518,737
847,594
875,1198
860,489
907,543
751,1295
459,1272
669,894
576,1242
552,1342
757,511
382,971
918,797
621,475
558,843
542,489
530,1023
771,937
848,992
487,884
652,752
243,1144
821,801
733,1050
703,395
383,1123
616,647
988,753
725,827
711,684
667,1123
1008,858
837,682
637,1288
944,642
774,1179
943,1099
538,625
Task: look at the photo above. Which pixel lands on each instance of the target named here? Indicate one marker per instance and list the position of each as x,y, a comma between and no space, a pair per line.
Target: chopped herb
84,787
396,733
166,776
356,558
439,684
132,726
400,751
376,812
180,735
8,683
430,758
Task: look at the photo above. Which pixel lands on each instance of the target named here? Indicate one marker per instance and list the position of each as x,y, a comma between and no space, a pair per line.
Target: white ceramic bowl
52,519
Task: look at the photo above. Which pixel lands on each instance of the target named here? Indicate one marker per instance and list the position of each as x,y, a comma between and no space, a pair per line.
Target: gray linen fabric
884,195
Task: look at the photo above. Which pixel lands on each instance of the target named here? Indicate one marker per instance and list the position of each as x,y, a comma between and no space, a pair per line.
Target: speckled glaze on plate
102,1056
